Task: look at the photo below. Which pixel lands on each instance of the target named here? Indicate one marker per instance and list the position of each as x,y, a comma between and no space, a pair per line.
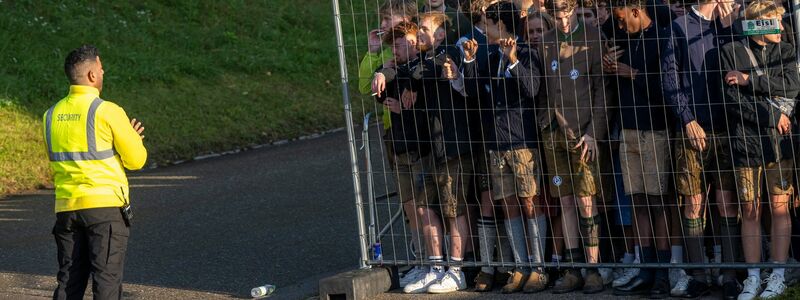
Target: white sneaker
680,285
424,281
412,275
675,274
450,282
618,272
752,286
775,286
605,273
627,275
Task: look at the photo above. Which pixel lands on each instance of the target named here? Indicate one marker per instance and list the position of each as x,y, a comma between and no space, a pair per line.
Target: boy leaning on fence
441,87
572,117
511,79
410,127
644,148
760,80
702,147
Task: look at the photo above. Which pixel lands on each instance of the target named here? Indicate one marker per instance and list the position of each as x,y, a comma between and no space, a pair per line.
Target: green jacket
370,63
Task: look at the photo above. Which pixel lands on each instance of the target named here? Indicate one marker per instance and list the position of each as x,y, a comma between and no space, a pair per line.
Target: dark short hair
507,12
85,53
628,3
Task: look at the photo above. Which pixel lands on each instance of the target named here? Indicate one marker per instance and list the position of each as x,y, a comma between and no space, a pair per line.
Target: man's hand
610,59
509,48
727,10
392,104
588,148
625,70
784,125
138,127
374,41
470,49
408,98
737,78
378,84
449,69
696,135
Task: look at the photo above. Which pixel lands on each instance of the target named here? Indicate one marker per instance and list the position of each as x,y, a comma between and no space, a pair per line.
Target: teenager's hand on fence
408,98
509,48
138,127
378,84
374,41
696,136
392,104
450,69
588,148
737,78
625,70
728,11
470,48
784,125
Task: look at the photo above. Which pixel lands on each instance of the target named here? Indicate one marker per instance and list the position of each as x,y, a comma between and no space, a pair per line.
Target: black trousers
91,242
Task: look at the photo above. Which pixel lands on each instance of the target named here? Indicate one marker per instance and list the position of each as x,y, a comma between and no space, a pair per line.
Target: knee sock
537,232
516,235
648,256
664,258
487,240
694,245
731,243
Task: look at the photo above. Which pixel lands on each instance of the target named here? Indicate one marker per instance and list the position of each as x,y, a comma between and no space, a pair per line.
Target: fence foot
359,284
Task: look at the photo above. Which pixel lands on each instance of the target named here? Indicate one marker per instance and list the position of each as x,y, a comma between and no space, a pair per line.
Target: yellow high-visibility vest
90,142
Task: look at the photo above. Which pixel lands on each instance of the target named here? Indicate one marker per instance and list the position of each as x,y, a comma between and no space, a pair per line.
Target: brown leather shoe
515,282
537,282
484,282
570,281
594,283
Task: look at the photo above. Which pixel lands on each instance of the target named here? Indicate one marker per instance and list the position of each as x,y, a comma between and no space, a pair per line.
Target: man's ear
91,76
635,12
440,33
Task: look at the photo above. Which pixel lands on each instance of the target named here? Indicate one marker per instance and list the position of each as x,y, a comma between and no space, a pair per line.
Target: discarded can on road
377,252
262,291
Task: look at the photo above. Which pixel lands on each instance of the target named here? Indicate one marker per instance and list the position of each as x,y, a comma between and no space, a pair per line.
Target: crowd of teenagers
549,132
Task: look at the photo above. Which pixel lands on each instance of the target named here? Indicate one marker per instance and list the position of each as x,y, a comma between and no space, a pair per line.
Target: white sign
759,27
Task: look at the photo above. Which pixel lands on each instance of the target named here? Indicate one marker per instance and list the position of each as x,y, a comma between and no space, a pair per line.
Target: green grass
203,76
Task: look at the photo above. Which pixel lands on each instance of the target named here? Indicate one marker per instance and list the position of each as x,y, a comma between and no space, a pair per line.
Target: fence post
348,116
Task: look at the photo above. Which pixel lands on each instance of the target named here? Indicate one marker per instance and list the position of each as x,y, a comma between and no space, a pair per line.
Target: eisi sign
759,27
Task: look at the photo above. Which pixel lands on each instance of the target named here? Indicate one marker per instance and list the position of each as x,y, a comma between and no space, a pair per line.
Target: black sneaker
696,289
730,290
660,289
637,286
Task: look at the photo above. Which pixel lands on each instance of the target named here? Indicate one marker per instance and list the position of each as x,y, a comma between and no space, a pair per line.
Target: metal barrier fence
385,237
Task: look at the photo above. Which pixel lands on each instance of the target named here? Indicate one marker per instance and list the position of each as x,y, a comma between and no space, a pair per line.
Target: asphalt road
283,215
215,228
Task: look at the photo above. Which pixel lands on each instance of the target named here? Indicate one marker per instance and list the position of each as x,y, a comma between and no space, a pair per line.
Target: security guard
89,142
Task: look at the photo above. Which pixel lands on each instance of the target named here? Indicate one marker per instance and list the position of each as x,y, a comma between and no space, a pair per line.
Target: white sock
717,253
637,250
779,271
677,255
754,272
628,258
436,263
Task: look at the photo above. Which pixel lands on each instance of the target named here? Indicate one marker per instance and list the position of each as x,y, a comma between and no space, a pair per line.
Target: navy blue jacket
482,132
641,99
409,131
689,63
512,95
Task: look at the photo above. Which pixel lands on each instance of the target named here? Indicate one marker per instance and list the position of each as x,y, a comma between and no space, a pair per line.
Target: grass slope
203,76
